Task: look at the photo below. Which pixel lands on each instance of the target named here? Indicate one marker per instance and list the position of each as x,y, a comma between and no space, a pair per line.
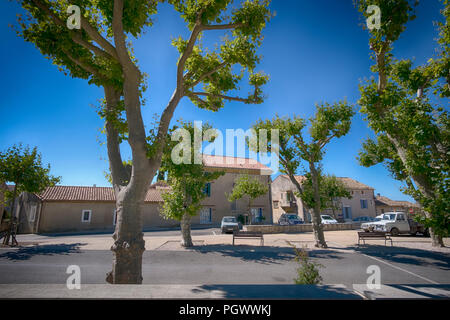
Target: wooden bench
248,235
374,235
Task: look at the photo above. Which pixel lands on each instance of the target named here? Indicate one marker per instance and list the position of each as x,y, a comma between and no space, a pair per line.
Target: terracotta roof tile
78,193
212,161
381,200
348,182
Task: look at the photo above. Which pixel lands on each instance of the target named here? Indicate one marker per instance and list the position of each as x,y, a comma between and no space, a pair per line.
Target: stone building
284,200
80,209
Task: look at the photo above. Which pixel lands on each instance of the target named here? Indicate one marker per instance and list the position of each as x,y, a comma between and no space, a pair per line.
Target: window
363,203
33,212
400,217
86,215
114,217
275,204
207,189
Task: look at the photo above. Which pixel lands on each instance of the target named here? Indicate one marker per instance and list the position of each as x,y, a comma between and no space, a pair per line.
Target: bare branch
187,52
222,26
98,38
246,100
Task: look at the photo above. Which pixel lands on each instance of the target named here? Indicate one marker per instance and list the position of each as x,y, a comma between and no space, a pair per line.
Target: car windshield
229,219
327,218
389,217
292,217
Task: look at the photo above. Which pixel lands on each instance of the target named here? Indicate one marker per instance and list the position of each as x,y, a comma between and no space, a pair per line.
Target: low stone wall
307,227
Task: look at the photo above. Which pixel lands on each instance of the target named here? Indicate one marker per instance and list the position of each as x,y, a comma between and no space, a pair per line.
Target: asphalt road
224,264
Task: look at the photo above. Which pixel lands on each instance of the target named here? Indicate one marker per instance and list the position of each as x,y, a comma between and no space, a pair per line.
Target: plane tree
405,107
330,189
187,179
99,49
245,186
23,167
296,148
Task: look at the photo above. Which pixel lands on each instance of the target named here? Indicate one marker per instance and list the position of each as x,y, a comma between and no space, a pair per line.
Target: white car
368,226
229,223
326,219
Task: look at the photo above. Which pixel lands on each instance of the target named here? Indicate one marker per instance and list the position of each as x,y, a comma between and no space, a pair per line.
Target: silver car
229,224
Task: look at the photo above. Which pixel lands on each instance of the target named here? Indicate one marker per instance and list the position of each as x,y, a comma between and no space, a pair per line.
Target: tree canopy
186,180
405,107
23,167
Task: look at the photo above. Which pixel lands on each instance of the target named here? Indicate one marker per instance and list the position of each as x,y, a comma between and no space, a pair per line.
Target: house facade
79,209
384,204
284,200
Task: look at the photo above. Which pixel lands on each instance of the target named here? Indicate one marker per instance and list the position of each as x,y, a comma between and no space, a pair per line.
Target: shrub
307,272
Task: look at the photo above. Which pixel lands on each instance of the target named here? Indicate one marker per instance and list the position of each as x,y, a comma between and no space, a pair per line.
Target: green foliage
307,271
246,186
330,189
23,167
405,109
330,121
214,70
187,181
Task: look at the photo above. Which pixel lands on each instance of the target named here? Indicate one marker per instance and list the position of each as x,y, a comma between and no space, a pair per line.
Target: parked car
229,224
358,221
399,223
326,219
368,226
289,219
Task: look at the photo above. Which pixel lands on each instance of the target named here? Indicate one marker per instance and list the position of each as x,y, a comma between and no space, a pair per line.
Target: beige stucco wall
283,184
222,207
280,185
66,217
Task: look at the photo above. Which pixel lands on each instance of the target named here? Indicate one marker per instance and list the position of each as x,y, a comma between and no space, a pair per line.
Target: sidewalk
105,291
342,239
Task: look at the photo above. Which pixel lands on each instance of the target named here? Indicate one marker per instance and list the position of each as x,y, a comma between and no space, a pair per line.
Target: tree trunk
436,240
129,244
186,239
316,219
12,219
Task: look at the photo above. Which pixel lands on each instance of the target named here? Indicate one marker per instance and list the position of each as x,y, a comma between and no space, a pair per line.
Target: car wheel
394,232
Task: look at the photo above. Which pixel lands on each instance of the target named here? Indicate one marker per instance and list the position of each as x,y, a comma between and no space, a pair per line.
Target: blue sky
314,51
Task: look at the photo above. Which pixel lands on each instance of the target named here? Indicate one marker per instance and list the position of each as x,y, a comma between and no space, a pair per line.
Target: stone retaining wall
307,227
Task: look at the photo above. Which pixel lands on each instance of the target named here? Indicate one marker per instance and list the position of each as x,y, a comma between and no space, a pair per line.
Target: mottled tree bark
186,239
316,219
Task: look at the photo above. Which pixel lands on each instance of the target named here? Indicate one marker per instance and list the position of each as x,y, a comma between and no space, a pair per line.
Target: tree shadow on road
26,253
258,254
261,254
403,255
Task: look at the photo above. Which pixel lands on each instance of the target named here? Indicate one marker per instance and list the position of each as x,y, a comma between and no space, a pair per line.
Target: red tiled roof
78,193
212,161
381,200
348,182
